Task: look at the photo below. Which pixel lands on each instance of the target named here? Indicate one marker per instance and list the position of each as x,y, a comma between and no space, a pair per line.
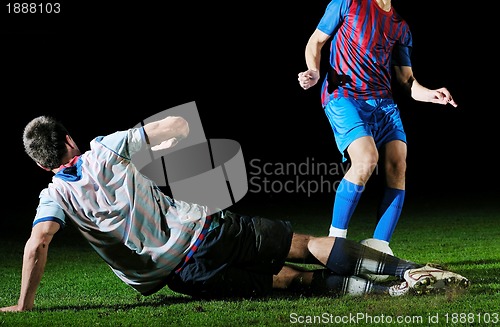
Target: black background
101,68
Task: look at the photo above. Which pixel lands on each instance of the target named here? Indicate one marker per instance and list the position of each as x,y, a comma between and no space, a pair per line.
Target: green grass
78,289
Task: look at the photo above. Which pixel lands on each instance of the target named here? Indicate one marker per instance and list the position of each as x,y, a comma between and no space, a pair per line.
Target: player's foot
429,279
399,289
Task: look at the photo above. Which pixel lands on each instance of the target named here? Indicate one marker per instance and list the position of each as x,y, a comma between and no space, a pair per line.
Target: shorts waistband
211,222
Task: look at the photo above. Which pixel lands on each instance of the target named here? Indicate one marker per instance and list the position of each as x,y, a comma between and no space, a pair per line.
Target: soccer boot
429,279
399,289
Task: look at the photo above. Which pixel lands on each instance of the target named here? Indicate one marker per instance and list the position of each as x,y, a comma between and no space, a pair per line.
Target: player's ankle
337,232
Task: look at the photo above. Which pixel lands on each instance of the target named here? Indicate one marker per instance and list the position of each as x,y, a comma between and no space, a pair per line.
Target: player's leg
390,137
394,161
238,258
344,259
364,156
326,282
348,258
351,125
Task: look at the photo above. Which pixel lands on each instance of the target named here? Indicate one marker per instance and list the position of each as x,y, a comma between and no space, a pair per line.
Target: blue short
351,119
236,259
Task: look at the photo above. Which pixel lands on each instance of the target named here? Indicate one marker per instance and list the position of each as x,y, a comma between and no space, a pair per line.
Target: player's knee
363,168
396,169
320,247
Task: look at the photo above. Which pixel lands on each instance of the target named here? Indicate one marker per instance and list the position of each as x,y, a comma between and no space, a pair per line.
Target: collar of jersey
72,171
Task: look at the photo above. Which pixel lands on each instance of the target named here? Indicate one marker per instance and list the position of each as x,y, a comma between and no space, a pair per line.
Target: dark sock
327,282
352,258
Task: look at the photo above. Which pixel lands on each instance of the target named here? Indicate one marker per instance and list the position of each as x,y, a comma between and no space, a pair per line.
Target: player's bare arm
404,76
165,133
311,76
34,260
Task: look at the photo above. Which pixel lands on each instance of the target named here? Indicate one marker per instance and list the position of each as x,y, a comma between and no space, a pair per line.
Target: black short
236,259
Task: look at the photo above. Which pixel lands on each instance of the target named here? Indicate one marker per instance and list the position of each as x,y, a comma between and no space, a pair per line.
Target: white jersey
141,233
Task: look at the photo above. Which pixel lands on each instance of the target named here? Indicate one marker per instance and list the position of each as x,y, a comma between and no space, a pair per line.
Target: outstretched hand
165,144
442,96
308,79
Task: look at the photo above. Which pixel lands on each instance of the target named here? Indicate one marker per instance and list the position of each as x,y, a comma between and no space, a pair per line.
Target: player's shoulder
124,142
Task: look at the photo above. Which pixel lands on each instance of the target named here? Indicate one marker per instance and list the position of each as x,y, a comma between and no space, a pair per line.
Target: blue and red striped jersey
361,49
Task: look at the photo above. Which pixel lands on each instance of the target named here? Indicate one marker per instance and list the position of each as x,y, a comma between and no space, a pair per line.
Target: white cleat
399,289
429,279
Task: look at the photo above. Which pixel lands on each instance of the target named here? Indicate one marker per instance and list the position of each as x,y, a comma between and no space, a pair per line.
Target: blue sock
389,212
346,199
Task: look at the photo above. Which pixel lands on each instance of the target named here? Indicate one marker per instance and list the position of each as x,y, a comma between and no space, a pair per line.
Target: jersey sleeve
333,16
49,210
123,143
401,53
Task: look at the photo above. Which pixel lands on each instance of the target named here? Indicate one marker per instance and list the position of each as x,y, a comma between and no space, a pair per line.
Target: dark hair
44,140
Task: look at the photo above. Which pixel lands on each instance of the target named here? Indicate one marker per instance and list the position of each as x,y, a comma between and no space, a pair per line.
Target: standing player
369,39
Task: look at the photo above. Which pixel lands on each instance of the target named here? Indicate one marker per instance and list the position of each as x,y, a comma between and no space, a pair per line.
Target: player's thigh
349,121
363,150
230,283
245,246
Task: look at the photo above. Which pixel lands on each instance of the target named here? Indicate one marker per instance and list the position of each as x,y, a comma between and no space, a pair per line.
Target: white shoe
399,289
429,279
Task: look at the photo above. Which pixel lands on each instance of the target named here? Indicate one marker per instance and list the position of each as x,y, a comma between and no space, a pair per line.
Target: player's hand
308,79
14,308
442,96
165,144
